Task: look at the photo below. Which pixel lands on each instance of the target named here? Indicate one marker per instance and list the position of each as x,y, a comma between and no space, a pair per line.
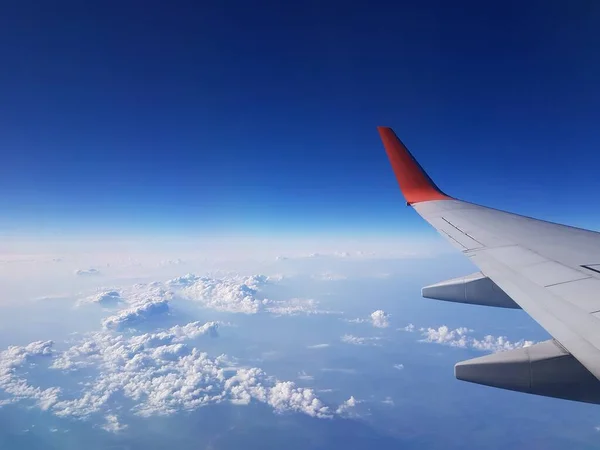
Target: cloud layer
159,373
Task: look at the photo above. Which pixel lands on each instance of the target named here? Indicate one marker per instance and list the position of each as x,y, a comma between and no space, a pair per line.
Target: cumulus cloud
112,424
16,357
347,406
237,294
410,328
233,294
285,396
357,340
380,319
105,298
136,314
158,372
461,337
90,350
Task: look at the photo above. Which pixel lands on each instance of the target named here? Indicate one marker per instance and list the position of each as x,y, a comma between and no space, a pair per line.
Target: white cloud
443,335
113,425
137,313
348,406
460,337
158,372
388,401
339,370
304,376
357,320
357,340
497,344
410,328
16,357
380,319
87,272
317,346
106,298
232,294
399,366
285,396
329,276
237,294
295,306
171,262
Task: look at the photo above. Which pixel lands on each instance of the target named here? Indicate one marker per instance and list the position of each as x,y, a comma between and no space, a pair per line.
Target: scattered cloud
329,276
304,376
357,340
295,306
399,366
105,298
112,424
285,396
339,369
380,319
317,346
388,401
348,406
357,320
410,328
460,337
87,272
171,262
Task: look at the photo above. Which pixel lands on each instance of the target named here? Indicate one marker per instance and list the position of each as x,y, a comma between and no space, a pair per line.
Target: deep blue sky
261,116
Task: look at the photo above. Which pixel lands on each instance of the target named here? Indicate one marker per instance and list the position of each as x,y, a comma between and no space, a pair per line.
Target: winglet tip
415,184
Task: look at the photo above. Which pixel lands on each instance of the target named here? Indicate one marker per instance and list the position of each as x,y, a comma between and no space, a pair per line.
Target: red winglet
415,184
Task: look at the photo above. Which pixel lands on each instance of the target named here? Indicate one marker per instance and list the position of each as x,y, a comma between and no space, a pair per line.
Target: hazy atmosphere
203,245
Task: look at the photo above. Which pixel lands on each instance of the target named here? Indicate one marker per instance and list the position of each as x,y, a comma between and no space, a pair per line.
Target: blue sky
138,117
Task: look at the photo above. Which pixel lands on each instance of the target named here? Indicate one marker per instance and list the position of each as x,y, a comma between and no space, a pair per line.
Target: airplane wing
550,271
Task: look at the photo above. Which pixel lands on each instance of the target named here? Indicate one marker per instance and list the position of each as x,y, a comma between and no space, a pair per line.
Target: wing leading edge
550,271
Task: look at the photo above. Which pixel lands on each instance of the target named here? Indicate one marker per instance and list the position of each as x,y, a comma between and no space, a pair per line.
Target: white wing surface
550,271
